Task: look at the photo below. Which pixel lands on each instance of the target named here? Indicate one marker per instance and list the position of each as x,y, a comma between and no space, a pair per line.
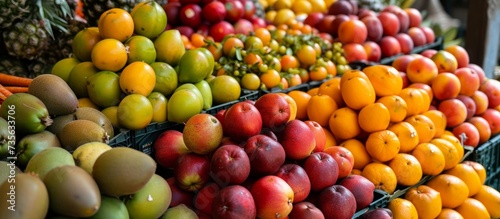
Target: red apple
179,196
337,202
493,118
482,126
373,51
190,15
361,188
230,165
319,135
213,12
296,177
168,147
469,131
491,88
344,159
469,104
172,10
204,198
220,115
355,52
269,133
305,210
258,22
243,26
186,2
406,81
272,196
469,80
203,29
192,171
377,213
405,42
374,26
322,170
454,110
274,109
297,139
336,22
266,154
326,25
390,23
249,8
241,121
221,29
234,202
202,133
234,10
185,30
313,18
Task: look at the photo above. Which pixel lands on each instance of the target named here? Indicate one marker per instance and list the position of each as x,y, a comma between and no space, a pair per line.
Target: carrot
2,97
4,91
17,89
11,80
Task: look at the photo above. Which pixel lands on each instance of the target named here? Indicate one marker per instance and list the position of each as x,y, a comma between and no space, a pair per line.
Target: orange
230,44
306,55
430,157
455,142
407,135
382,145
349,74
424,126
318,73
402,208
414,100
116,23
289,62
447,213
301,6
109,55
137,78
356,172
331,69
374,117
319,108
197,40
344,123
407,169
468,175
250,81
357,92
381,175
453,190
292,104
314,91
426,101
294,80
271,78
385,79
473,209
426,200
427,88
301,99
357,148
451,155
396,105
490,198
438,119
479,168
330,139
216,49
252,59
283,84
331,88
264,35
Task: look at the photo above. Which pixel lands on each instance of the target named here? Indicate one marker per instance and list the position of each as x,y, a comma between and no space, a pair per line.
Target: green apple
151,201
180,211
86,155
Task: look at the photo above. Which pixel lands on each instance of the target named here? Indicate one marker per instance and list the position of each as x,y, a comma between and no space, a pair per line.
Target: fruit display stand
436,45
143,139
380,200
488,154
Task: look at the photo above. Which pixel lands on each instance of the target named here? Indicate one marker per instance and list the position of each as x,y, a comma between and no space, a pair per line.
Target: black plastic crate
493,180
380,200
302,87
437,45
488,154
245,95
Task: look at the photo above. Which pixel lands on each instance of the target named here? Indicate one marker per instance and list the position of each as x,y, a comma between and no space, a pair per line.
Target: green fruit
84,41
49,159
149,18
134,112
86,155
159,103
8,170
225,89
63,67
78,78
81,131
166,78
151,201
31,198
103,88
178,212
140,48
169,47
33,144
206,93
4,138
194,66
111,208
91,114
182,105
72,192
112,114
193,88
211,60
123,171
27,112
55,93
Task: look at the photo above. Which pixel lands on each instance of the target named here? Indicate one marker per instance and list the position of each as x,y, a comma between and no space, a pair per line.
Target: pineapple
12,10
92,9
26,39
13,66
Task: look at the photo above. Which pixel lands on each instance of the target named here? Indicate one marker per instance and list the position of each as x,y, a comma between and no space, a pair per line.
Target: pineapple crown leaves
53,13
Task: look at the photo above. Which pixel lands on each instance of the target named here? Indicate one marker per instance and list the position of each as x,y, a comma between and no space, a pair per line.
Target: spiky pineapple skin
12,10
92,9
26,39
13,66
